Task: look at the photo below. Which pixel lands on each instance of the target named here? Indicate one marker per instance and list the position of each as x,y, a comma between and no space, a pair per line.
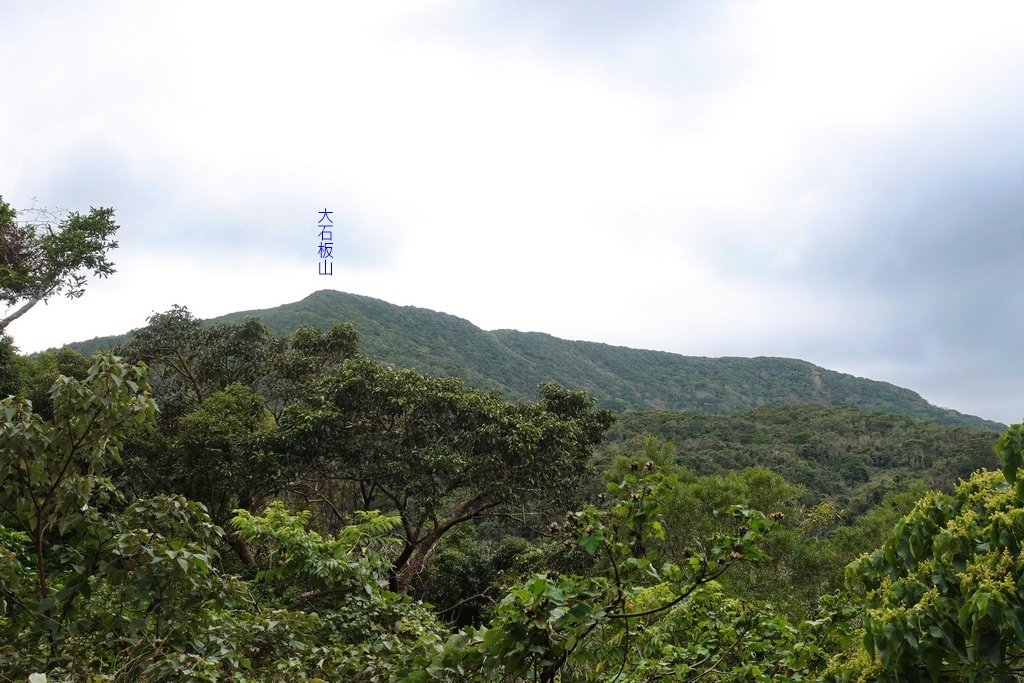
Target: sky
841,182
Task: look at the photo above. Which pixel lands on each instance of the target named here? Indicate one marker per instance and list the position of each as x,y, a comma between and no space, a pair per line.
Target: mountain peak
618,377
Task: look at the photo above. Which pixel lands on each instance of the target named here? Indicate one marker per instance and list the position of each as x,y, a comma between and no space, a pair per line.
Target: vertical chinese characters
326,250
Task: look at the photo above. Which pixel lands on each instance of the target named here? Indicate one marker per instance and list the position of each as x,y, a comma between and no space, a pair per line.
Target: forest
222,502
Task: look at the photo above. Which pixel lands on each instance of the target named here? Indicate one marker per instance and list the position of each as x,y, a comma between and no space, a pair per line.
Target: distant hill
850,456
619,378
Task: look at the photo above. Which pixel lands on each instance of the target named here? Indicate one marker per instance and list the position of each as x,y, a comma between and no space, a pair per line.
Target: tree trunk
404,577
410,562
242,549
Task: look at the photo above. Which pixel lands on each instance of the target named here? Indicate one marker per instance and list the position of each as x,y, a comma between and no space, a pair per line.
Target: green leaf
590,543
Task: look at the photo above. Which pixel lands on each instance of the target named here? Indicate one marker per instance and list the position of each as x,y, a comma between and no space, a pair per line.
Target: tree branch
20,312
702,579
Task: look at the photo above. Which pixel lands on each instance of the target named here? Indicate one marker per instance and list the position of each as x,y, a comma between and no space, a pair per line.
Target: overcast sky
837,182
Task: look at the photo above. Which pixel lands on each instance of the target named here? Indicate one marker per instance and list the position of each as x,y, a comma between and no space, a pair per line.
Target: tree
39,261
642,612
51,470
215,455
41,371
92,588
220,389
189,361
12,368
944,595
436,453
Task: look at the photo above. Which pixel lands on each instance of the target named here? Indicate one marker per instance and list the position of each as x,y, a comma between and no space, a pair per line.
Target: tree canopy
40,259
348,493
437,453
945,592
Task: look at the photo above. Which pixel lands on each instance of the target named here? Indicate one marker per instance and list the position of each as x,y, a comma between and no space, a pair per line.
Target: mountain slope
850,456
619,378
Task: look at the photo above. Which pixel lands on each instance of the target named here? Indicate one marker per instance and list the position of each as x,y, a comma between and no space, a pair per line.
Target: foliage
189,362
78,562
461,580
216,455
51,470
144,600
362,630
40,371
310,567
12,368
715,636
1010,449
38,261
436,453
850,457
670,573
639,615
808,548
138,588
93,589
214,385
945,593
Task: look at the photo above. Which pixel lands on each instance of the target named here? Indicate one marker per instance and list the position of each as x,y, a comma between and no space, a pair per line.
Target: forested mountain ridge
619,378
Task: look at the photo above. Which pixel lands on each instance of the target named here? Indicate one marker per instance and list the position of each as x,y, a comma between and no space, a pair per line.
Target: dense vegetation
259,508
618,378
848,456
218,502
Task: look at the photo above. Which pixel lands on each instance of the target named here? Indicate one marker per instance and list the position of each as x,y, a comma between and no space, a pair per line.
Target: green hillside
850,456
619,378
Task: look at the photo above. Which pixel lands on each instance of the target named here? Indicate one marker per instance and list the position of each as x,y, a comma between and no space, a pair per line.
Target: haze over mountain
619,378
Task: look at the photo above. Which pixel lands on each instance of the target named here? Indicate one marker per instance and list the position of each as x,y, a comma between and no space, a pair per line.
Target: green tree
797,570
92,588
39,260
51,469
216,455
188,360
221,389
462,578
944,595
438,454
41,371
12,368
642,613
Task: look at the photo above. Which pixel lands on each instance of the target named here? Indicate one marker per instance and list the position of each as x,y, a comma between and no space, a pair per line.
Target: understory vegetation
217,502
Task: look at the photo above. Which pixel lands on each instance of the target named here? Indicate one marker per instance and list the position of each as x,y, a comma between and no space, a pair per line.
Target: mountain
619,378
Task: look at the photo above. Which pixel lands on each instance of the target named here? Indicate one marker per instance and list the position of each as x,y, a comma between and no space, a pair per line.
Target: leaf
1010,449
